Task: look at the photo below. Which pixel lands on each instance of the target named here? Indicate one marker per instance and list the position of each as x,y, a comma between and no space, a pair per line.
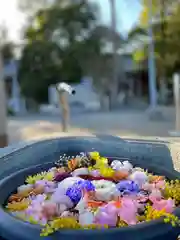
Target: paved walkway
135,125
125,124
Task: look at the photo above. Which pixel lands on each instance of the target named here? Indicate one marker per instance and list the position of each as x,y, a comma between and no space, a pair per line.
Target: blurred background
121,56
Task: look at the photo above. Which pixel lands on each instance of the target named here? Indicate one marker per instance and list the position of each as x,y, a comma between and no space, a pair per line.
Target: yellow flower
106,172
66,223
18,206
49,176
103,160
152,214
33,179
172,190
59,223
94,155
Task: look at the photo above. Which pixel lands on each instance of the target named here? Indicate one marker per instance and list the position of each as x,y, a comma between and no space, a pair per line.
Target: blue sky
127,15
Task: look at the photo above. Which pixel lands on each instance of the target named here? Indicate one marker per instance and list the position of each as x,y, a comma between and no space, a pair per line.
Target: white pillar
15,93
176,82
176,91
3,109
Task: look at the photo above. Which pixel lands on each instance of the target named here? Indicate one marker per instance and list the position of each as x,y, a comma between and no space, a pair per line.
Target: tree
57,42
166,32
38,70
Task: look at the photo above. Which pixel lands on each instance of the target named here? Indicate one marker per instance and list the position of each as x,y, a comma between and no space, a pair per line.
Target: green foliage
166,34
58,43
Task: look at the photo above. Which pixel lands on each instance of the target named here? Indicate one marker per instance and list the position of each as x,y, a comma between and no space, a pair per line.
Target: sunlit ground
134,125
124,124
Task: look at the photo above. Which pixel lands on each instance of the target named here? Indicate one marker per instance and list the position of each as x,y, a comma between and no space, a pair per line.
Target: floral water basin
81,196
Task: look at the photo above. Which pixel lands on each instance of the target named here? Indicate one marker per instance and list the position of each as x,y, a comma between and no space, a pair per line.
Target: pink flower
49,209
167,205
107,215
155,195
128,211
160,184
48,186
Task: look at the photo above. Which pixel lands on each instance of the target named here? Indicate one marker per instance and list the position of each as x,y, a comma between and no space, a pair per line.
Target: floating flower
172,190
60,223
49,176
94,155
107,215
85,185
95,173
62,199
18,206
105,190
139,177
68,182
25,188
116,165
106,171
128,211
121,166
161,204
33,179
74,193
87,192
127,187
80,171
120,175
47,186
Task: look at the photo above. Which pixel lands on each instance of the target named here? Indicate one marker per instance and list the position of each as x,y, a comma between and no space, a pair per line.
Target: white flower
139,177
121,166
68,182
116,165
80,171
105,190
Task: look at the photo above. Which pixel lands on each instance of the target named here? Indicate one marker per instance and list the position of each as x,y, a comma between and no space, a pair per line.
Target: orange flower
95,204
119,175
72,164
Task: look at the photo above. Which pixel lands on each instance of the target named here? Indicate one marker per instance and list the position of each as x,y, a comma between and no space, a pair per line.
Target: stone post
64,110
3,110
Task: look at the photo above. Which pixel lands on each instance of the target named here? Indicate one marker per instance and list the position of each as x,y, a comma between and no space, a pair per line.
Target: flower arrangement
88,192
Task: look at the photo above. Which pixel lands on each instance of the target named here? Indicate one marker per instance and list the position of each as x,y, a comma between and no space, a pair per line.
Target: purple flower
128,187
49,186
85,184
74,193
60,197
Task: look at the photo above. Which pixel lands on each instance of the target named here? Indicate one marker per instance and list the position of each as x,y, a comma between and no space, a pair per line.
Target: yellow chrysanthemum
18,206
152,214
66,223
33,179
106,172
172,190
94,155
48,176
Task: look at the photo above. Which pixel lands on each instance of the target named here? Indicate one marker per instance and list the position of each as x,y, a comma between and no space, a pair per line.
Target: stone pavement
124,124
135,125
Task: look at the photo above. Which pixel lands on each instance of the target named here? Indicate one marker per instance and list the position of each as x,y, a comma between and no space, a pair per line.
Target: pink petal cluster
128,211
